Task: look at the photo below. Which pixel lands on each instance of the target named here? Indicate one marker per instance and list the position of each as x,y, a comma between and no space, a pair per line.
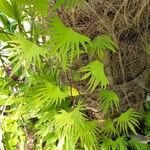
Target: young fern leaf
45,119
49,93
24,53
65,40
103,42
119,144
45,90
109,99
65,60
127,120
95,70
134,144
107,144
51,75
72,127
108,128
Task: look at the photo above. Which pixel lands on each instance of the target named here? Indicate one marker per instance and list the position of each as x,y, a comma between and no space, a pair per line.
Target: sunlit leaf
74,126
25,53
108,100
66,40
95,72
102,43
127,120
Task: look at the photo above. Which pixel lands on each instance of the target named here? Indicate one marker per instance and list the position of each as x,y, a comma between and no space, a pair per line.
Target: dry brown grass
128,22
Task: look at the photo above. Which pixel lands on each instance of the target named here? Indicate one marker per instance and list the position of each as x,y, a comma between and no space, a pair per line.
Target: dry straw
128,22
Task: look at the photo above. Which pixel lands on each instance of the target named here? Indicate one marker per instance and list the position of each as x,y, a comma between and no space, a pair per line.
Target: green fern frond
4,20
6,7
36,5
42,8
50,93
64,60
24,53
73,127
51,75
44,124
119,144
109,99
135,144
127,120
95,70
45,90
146,116
108,128
66,40
107,144
102,43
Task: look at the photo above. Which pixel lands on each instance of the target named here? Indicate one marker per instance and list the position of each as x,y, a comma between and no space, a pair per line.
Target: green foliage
73,126
70,128
127,120
7,8
49,92
119,144
4,20
108,128
11,139
135,144
146,123
95,70
40,100
4,37
25,53
45,91
41,8
108,144
11,10
109,99
35,5
103,42
146,116
66,40
125,123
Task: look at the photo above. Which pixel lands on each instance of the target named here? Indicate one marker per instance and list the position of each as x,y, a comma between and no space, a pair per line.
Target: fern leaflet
108,128
109,99
24,53
66,40
72,126
103,42
119,144
95,70
127,120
